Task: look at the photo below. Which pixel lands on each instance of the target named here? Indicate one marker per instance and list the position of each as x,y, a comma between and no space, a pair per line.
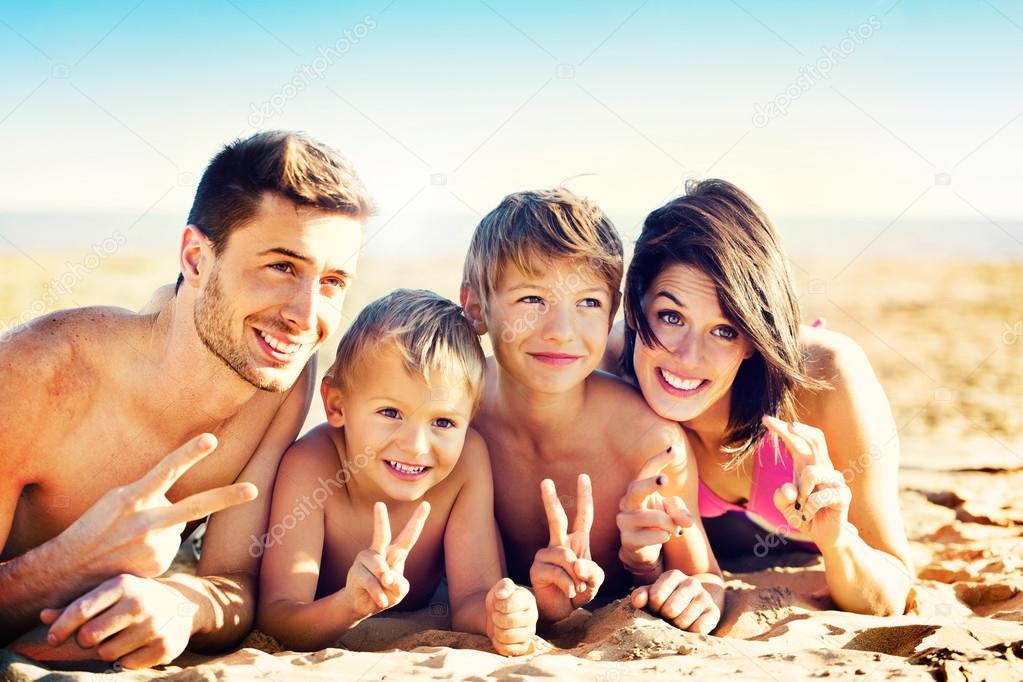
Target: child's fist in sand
681,600
563,575
511,618
376,580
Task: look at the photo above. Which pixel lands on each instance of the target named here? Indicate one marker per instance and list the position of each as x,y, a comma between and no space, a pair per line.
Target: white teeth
679,382
280,346
405,468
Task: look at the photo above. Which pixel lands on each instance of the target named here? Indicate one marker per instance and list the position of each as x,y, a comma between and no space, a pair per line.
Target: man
91,510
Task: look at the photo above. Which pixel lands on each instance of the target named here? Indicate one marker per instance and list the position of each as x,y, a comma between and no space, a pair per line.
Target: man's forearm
226,607
45,576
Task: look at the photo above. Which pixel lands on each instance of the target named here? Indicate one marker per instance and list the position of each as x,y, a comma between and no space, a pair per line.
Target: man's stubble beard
213,315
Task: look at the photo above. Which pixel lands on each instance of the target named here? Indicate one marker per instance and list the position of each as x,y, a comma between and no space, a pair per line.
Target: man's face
275,290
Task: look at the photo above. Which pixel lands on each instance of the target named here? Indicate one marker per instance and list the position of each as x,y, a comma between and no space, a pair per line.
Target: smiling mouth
556,359
406,471
679,385
279,349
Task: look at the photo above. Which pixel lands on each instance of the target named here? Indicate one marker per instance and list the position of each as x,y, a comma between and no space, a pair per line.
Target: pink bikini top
772,467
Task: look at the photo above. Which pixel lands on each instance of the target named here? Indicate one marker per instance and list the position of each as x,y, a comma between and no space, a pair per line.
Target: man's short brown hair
289,164
533,228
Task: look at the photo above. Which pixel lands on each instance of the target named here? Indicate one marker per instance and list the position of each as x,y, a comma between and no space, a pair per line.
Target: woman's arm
868,563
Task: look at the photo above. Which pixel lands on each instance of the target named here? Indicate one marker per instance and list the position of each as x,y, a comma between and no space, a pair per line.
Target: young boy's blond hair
531,229
429,331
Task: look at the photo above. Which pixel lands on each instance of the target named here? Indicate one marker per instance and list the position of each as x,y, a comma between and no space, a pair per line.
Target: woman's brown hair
717,229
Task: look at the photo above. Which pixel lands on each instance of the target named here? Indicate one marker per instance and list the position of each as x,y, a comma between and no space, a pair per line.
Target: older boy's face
549,329
275,291
702,350
411,433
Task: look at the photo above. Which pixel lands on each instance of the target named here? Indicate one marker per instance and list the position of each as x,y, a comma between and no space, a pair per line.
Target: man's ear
470,301
196,249
333,402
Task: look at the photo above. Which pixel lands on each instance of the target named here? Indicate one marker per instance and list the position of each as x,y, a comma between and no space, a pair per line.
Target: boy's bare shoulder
313,455
629,423
475,458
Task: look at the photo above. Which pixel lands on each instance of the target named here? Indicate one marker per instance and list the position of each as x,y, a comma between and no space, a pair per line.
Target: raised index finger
656,464
165,474
557,521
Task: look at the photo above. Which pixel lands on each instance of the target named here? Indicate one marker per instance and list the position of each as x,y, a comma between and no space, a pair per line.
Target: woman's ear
470,301
333,402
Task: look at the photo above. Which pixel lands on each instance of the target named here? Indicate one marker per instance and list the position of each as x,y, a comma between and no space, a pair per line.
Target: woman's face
702,349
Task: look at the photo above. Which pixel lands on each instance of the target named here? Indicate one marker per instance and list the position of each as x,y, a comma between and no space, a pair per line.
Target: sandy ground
946,341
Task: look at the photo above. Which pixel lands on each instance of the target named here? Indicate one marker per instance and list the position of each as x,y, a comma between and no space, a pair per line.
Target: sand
946,342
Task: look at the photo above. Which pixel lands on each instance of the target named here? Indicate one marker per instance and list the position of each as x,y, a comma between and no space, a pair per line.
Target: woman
788,423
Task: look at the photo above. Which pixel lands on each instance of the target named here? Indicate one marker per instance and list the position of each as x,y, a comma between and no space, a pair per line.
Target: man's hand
647,519
563,575
376,579
511,618
135,529
680,599
137,621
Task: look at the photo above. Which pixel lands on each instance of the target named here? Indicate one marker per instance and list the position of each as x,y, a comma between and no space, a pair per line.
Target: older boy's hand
563,575
511,618
376,579
647,519
681,600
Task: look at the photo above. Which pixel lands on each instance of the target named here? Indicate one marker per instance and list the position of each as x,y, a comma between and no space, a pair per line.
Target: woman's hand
817,504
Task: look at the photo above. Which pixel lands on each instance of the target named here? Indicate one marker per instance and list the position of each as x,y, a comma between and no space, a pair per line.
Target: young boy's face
549,329
411,433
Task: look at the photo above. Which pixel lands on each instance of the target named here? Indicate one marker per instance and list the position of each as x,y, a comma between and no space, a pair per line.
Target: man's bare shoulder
630,425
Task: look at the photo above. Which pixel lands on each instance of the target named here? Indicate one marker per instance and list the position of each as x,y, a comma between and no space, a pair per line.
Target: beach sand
945,340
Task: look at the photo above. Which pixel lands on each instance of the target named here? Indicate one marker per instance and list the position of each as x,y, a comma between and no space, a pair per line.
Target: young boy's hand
511,618
563,575
680,599
647,519
375,581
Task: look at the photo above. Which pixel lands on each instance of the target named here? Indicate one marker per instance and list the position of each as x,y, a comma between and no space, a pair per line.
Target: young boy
542,277
395,454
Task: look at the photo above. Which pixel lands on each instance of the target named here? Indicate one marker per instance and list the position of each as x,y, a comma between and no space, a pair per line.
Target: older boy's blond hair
429,331
534,228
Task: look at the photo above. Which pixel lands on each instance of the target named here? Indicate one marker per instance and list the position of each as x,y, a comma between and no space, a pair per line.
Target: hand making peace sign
376,579
132,533
563,575
817,503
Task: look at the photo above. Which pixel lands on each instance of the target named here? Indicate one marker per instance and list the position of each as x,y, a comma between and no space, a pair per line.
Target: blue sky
117,106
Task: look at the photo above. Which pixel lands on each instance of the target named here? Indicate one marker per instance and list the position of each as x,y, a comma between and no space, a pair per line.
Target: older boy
542,278
396,446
